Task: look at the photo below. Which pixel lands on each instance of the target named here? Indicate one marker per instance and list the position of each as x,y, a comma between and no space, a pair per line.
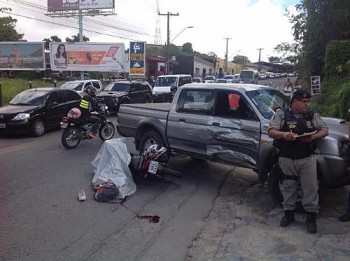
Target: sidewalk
244,225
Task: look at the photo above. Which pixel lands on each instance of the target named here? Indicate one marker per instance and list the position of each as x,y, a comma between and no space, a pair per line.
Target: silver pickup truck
228,123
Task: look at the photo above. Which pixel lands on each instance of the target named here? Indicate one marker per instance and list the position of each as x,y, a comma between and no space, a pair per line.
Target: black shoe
311,222
288,218
344,218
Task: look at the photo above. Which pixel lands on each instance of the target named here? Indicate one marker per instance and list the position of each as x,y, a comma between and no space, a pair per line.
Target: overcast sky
249,24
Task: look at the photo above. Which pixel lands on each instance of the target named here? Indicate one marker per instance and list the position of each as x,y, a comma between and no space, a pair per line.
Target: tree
8,31
75,38
187,48
240,59
315,25
53,38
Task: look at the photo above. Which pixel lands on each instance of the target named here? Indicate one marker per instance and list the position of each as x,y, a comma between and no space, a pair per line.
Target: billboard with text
22,56
137,56
102,57
63,5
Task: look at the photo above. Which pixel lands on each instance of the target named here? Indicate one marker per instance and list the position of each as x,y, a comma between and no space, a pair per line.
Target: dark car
36,110
120,92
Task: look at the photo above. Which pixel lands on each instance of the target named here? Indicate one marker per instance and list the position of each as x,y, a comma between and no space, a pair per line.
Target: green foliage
336,59
75,39
335,99
47,41
8,31
11,87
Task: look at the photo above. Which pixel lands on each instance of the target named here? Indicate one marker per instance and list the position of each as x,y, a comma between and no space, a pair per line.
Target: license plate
64,125
153,167
2,125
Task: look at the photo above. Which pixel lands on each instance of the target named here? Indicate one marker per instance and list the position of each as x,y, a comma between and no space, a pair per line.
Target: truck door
235,130
188,125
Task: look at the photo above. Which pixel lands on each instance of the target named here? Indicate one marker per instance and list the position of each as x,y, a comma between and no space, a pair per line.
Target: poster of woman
60,58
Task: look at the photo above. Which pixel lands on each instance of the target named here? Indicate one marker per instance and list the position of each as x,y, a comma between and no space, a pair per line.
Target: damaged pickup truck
228,123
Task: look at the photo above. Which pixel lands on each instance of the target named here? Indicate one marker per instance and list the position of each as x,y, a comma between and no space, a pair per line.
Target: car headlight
154,93
21,117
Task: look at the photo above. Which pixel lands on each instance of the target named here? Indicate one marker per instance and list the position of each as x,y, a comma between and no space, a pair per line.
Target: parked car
209,78
80,86
37,110
197,79
222,81
232,78
162,87
121,91
232,121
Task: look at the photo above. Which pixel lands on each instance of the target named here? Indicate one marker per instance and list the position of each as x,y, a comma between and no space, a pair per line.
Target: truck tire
152,137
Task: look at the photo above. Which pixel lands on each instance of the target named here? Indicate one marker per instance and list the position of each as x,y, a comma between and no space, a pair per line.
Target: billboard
64,5
22,56
137,55
102,57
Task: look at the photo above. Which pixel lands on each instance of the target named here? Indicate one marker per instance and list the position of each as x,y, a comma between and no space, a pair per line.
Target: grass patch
11,87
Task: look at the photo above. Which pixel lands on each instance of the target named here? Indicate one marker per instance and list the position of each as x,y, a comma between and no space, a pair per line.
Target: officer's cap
301,94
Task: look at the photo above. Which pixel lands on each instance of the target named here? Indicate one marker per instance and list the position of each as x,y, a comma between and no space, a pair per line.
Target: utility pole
168,14
259,58
226,55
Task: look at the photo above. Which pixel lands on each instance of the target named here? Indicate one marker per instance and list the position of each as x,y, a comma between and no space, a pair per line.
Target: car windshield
31,98
209,78
72,86
267,101
228,77
165,81
117,87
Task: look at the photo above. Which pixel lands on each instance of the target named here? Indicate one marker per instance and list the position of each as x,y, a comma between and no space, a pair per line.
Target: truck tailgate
130,116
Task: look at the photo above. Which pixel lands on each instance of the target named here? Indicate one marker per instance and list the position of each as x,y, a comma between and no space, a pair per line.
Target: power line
91,25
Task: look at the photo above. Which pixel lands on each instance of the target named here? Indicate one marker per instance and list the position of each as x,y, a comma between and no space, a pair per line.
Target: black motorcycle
75,130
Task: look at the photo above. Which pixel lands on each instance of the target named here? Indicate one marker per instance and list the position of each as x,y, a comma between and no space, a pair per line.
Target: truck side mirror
173,88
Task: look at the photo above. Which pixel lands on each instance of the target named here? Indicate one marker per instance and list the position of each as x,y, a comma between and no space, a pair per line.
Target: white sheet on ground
111,164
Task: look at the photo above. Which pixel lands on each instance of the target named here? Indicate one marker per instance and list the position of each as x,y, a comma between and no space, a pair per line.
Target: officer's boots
311,222
288,218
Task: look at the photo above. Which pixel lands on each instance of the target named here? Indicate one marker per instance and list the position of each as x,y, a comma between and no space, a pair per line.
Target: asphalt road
42,219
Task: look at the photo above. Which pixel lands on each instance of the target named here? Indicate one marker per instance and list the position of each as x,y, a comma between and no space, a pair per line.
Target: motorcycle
151,162
76,130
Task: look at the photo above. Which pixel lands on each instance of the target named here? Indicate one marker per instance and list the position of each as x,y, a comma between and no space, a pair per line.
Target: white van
161,90
249,76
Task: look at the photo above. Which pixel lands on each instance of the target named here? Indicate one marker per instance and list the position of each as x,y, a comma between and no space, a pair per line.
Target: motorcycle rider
87,105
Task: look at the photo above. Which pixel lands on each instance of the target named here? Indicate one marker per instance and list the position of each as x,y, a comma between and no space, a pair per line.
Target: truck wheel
273,184
150,138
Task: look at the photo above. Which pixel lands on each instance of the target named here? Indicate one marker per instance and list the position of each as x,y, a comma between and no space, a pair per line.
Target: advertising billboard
22,56
63,5
137,55
93,57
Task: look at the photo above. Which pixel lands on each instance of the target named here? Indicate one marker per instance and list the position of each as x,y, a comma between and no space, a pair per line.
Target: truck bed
150,106
132,115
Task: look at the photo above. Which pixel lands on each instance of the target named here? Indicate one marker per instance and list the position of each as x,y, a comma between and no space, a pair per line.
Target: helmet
74,113
91,90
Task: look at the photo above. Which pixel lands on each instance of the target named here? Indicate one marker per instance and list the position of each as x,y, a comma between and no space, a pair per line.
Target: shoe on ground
286,221
91,135
311,228
344,218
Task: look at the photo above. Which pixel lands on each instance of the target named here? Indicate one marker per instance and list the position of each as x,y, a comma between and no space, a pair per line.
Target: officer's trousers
305,170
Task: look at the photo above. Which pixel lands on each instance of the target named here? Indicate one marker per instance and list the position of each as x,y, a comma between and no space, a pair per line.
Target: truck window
196,102
231,104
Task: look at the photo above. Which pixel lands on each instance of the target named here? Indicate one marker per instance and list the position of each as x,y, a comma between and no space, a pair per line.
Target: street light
188,27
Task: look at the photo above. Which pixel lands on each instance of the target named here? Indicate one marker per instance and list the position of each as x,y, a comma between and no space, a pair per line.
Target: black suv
120,92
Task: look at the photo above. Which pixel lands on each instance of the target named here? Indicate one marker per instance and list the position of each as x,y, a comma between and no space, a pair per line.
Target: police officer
87,105
296,160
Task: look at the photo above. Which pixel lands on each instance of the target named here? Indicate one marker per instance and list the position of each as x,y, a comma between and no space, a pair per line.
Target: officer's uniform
296,158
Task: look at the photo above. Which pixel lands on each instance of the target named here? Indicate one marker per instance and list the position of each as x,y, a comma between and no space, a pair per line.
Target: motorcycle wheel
107,131
70,138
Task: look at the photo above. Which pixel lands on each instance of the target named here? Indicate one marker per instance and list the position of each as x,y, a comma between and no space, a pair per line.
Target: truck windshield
267,101
165,81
